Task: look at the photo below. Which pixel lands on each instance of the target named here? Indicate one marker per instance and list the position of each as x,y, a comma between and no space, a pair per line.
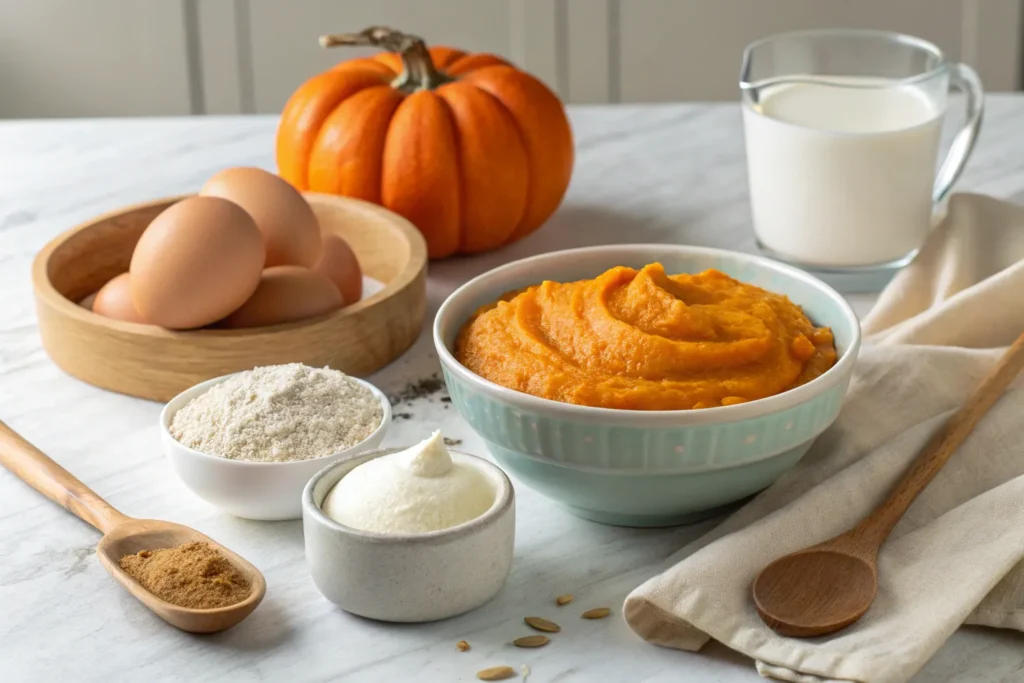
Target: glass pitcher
842,132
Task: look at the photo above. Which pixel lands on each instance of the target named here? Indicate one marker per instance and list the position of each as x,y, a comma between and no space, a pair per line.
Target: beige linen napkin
957,555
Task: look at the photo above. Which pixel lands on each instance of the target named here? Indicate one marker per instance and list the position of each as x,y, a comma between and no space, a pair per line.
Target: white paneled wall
283,36
94,58
672,50
168,57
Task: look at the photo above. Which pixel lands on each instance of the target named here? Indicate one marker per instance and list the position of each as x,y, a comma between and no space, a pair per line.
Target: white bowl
415,577
254,490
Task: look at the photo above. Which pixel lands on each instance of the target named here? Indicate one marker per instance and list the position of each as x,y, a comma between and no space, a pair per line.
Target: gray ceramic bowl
409,578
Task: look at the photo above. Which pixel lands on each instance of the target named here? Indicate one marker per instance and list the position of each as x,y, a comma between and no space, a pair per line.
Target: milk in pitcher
841,171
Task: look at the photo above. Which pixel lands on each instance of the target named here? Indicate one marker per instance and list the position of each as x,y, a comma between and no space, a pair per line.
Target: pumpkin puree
644,340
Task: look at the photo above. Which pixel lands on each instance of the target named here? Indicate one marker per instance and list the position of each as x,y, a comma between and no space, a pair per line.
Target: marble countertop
660,173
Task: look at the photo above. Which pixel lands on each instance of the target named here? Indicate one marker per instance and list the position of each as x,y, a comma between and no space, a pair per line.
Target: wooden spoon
123,535
829,586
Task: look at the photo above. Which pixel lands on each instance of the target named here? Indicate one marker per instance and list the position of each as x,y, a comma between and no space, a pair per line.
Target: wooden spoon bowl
134,535
123,535
836,591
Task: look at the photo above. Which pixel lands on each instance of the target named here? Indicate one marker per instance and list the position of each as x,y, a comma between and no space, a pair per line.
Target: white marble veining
643,173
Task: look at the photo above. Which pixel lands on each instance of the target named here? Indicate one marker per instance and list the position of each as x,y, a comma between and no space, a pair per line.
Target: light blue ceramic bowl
647,468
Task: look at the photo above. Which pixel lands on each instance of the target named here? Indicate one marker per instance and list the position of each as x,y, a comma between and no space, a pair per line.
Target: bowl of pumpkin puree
647,385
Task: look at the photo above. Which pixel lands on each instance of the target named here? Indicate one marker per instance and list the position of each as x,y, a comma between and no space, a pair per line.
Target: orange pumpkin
473,151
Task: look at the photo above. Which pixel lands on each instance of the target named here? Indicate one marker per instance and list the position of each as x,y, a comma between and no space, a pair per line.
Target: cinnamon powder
194,575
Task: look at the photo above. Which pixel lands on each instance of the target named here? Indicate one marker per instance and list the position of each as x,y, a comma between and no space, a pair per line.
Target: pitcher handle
964,79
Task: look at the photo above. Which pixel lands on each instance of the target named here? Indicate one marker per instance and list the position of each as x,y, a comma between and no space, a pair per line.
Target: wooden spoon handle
53,481
874,529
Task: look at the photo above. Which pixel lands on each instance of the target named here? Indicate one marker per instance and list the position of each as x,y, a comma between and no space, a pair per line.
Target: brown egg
338,262
198,261
286,293
290,230
114,300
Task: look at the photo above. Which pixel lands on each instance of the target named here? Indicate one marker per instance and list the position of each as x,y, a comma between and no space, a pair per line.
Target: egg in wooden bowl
152,362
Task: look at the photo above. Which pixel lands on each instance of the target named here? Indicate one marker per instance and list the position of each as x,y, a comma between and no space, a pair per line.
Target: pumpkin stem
419,73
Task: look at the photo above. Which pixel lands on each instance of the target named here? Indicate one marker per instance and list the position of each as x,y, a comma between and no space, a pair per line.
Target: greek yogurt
418,490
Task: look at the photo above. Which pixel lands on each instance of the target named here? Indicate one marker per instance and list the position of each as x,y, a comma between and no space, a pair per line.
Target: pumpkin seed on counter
531,641
496,673
542,624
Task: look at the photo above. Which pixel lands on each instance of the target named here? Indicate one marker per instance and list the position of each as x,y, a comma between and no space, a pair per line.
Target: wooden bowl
150,362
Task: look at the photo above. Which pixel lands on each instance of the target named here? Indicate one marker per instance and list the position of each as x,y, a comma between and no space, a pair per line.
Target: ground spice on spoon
194,575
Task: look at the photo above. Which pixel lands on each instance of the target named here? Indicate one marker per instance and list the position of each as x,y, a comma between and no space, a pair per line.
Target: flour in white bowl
279,413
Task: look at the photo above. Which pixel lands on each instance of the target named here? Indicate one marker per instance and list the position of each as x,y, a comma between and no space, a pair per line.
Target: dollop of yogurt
417,490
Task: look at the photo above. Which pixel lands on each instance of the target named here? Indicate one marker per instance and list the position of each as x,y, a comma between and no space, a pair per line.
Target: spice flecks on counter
424,387
194,575
279,413
418,490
